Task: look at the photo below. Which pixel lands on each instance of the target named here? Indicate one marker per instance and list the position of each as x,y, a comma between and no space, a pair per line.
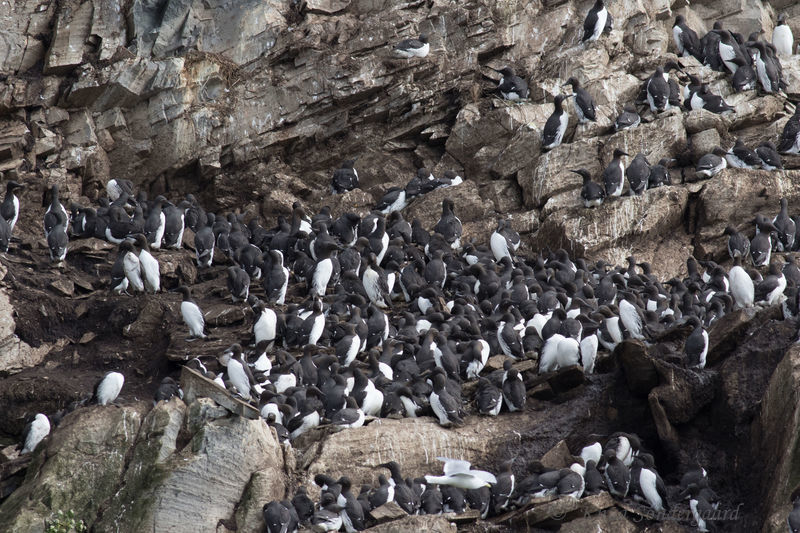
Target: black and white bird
790,138
238,282
702,98
741,284
787,229
57,242
658,91
711,164
279,518
35,432
770,290
556,124
770,159
761,245
629,118
511,86
449,225
584,103
738,244
638,174
167,389
345,178
696,345
443,404
794,517
148,266
191,313
9,209
514,395
458,473
55,214
659,174
782,38
686,40
740,156
614,175
592,193
595,22
409,48
108,388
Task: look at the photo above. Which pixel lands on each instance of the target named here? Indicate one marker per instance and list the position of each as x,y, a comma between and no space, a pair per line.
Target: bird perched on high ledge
711,164
556,124
782,37
629,118
595,22
584,103
790,138
108,388
511,86
409,48
686,40
345,178
614,174
192,315
592,193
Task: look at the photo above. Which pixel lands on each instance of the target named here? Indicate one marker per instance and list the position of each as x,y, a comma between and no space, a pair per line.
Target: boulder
78,469
168,482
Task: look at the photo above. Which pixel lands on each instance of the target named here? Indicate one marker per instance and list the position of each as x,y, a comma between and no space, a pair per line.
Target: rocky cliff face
250,105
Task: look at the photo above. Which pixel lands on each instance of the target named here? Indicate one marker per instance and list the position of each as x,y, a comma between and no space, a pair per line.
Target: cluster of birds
620,467
389,319
748,62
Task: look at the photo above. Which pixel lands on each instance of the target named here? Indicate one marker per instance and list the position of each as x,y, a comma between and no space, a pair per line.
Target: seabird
696,345
738,244
556,124
658,91
345,178
614,174
155,223
740,156
595,22
409,48
9,209
449,225
457,473
761,245
638,174
794,517
107,389
770,159
488,398
511,86
782,39
35,432
790,138
711,164
443,404
770,290
167,389
514,394
279,517
57,241
148,266
584,103
786,227
629,118
238,282
686,40
191,313
592,193
204,242
659,174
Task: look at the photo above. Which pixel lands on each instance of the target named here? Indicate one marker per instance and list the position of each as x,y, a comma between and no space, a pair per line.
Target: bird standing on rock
592,193
192,315
614,174
584,103
409,48
595,22
511,86
556,124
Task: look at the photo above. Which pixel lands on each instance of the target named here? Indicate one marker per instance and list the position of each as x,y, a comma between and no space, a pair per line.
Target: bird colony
371,315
